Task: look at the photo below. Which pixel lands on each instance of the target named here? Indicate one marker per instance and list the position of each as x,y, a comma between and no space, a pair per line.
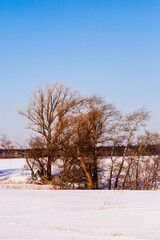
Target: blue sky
106,47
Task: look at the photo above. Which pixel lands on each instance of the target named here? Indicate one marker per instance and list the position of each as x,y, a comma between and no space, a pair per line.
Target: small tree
131,124
35,155
7,145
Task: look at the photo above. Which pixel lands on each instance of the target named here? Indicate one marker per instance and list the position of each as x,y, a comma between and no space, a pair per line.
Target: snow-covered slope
79,215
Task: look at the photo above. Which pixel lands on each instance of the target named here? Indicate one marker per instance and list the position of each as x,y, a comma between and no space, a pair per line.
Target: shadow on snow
7,173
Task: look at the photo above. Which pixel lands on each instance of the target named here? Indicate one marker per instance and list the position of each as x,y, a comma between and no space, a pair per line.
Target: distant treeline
119,150
12,153
103,151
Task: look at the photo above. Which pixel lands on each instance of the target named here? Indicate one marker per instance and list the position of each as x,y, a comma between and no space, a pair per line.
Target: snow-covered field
79,215
74,215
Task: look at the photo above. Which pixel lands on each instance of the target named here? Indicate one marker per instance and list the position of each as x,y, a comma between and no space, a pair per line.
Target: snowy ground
73,215
12,170
13,175
79,215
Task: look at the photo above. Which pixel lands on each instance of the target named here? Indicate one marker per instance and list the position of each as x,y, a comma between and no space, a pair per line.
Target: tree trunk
95,170
32,172
127,173
118,175
110,178
49,163
95,178
89,178
137,174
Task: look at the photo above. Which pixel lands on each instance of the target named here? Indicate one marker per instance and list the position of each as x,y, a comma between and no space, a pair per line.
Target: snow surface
13,170
13,175
73,215
79,215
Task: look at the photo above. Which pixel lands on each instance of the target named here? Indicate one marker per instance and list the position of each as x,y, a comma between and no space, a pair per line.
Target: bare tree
5,143
132,124
143,141
90,132
124,134
46,111
116,139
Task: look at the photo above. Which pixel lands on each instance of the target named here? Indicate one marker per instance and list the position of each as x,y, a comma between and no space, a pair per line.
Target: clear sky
106,47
